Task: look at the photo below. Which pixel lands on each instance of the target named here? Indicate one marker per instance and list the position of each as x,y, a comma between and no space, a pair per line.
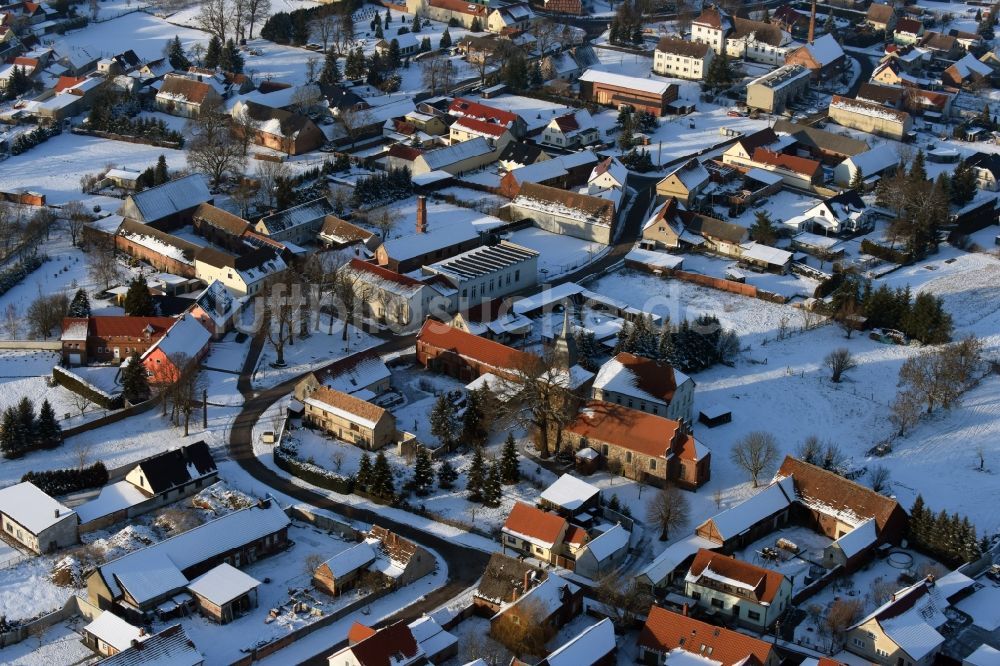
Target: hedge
828,286
11,277
65,481
886,253
312,473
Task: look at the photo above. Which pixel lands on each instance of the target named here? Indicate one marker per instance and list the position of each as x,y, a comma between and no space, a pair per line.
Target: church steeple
564,345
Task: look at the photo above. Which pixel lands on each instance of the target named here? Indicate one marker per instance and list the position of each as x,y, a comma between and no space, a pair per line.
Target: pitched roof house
278,129
824,57
446,349
571,130
881,17
168,205
569,213
243,275
170,646
182,471
672,635
685,182
185,96
504,580
645,447
35,520
645,384
349,418
754,596
393,645
465,108
107,338
535,533
298,224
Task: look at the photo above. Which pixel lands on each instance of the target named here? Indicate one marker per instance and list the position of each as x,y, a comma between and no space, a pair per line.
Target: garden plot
790,285
316,351
558,254
67,405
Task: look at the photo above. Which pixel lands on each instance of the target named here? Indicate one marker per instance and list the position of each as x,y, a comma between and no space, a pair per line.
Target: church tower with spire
564,344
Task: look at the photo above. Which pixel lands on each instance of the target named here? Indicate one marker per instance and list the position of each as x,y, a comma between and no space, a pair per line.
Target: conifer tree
475,480
423,473
614,503
445,39
762,230
25,426
382,485
443,425
858,181
476,25
918,170
416,24
9,444
135,382
446,476
493,488
331,71
80,305
213,53
48,431
161,174
474,431
510,471
379,34
388,16
231,60
138,302
176,56
364,475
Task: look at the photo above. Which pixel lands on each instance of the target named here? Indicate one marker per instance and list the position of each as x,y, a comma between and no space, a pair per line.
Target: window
753,615
718,603
604,449
858,642
628,456
696,596
511,539
517,275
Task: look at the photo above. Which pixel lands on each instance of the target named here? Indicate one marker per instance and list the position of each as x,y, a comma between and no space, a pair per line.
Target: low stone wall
44,345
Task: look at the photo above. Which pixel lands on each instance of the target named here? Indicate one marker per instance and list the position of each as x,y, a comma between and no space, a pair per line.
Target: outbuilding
224,593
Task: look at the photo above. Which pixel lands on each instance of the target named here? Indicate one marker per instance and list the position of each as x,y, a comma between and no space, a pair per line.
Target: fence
114,417
307,515
721,284
17,634
45,345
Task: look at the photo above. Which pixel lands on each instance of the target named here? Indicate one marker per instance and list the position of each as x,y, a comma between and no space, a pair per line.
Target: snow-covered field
319,349
558,254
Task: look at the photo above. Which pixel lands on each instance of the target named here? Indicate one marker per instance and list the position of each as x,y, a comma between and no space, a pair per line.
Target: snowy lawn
795,567
59,644
790,285
145,34
319,349
558,254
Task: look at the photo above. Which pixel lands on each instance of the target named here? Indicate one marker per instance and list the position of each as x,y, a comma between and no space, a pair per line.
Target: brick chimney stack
421,214
812,22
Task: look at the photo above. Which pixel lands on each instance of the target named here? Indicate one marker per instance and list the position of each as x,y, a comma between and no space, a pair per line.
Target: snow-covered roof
858,539
589,645
122,174
170,647
359,376
356,557
545,298
539,171
737,519
969,65
910,619
765,253
763,176
984,655
825,50
614,169
869,109
430,636
217,302
874,161
691,174
167,199
569,492
548,595
456,152
28,506
608,543
652,86
781,77
223,584
115,497
654,259
674,555
815,240
630,375
441,232
114,631
188,336
952,583
156,570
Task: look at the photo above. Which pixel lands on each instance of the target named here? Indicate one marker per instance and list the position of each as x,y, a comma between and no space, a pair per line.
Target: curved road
465,564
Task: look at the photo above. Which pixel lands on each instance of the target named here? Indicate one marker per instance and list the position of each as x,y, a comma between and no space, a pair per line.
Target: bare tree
324,25
669,510
755,454
12,321
212,149
306,98
354,122
810,450
214,18
842,614
437,73
347,288
243,195
523,629
281,308
624,600
546,34
385,222
839,361
245,128
541,402
476,646
81,402
878,477
256,10
76,217
980,453
904,413
881,590
102,262
268,175
46,313
184,386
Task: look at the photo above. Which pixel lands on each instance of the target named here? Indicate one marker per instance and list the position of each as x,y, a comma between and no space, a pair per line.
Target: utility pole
204,409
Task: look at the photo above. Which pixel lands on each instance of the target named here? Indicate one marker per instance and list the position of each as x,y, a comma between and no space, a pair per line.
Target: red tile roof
408,153
627,428
125,326
665,631
565,6
67,82
576,535
567,122
483,126
470,109
653,377
22,61
460,6
711,16
764,581
791,162
530,521
493,354
359,632
384,273
385,646
908,25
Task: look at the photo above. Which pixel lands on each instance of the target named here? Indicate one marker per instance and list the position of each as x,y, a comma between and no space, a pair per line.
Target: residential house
456,158
910,59
773,91
107,634
337,234
277,129
791,21
824,57
434,641
109,338
184,344
569,497
176,473
968,71
448,350
742,524
674,561
363,375
673,228
36,521
987,169
69,97
169,205
220,227
942,47
682,59
407,44
298,224
494,320
757,41
384,557
552,602
464,108
348,418
503,582
571,131
711,27
569,213
891,96
486,273
616,90
393,645
515,16
908,31
872,118
968,40
184,96
663,230
466,128
594,646
906,629
667,636
647,385
685,182
872,164
741,152
842,213
237,538
164,252
752,596
463,11
432,124
519,154
827,147
795,171
642,446
563,172
392,298
171,646
603,553
881,17
243,275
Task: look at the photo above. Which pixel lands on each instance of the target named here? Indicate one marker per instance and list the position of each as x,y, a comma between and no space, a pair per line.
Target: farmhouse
35,520
567,213
298,224
872,118
164,252
348,418
755,597
184,344
109,338
674,636
176,473
647,385
169,205
448,350
609,89
682,59
220,227
647,448
244,275
185,96
277,129
237,538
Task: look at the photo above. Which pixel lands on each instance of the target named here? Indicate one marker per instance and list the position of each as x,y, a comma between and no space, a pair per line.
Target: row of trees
946,537
921,318
115,112
25,141
631,121
626,26
21,430
690,346
382,188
